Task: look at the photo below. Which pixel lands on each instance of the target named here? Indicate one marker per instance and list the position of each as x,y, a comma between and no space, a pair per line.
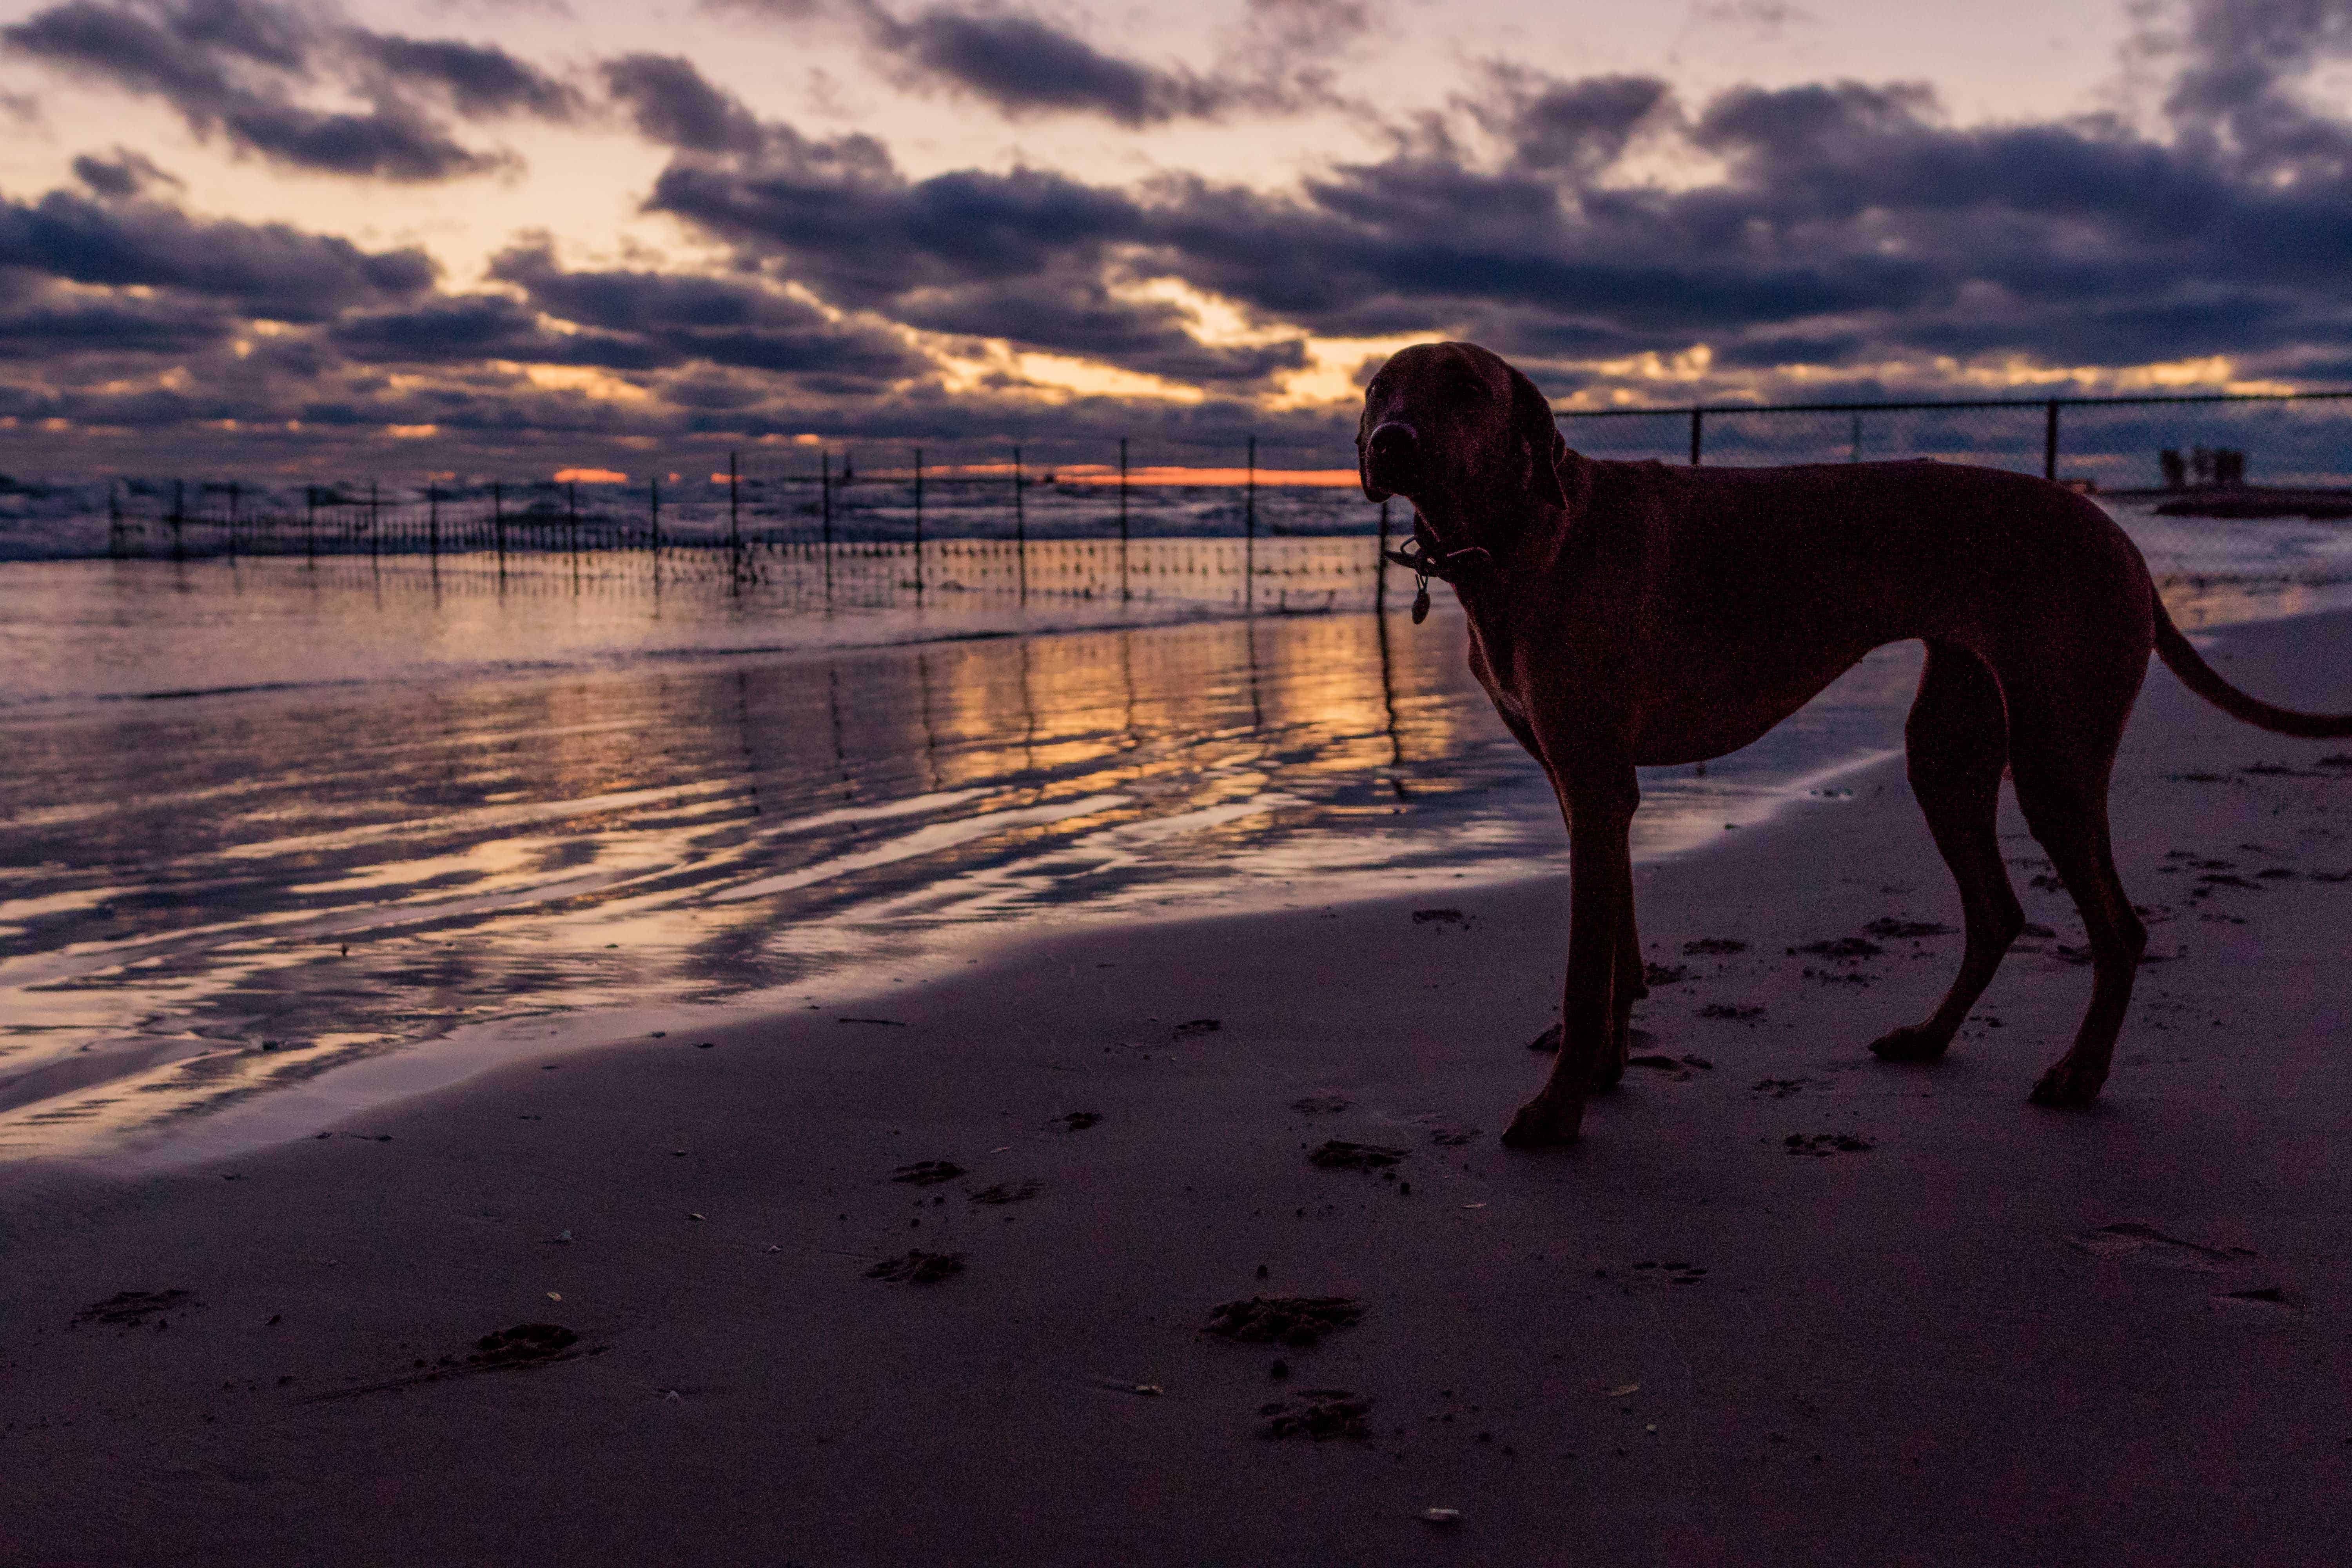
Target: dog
1634,614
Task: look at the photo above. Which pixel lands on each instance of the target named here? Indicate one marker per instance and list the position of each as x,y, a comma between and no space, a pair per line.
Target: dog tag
1421,603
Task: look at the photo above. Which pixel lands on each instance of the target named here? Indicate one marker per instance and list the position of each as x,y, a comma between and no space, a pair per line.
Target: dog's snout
1393,442
1390,458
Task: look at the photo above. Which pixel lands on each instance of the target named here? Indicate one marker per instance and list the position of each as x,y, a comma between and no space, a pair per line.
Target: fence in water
809,527
829,536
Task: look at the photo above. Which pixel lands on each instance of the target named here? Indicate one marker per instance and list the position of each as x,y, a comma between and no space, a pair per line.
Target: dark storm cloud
481,83
236,69
728,322
1848,220
1079,315
1025,65
850,224
267,270
121,174
1571,127
672,104
476,327
1278,60
112,327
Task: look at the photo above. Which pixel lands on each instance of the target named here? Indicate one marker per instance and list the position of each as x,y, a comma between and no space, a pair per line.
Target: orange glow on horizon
590,477
1105,474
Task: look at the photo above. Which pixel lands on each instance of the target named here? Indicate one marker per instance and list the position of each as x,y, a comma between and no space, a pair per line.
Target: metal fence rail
2294,438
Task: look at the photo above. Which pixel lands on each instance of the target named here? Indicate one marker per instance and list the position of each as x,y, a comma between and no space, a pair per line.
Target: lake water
278,839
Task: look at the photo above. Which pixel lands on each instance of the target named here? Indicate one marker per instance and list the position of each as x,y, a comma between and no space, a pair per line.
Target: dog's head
1462,434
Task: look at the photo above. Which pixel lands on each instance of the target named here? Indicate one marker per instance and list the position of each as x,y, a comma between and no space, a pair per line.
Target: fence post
1123,594
499,525
1249,531
232,519
1854,453
653,491
1698,418
2050,443
432,519
825,515
1020,526
113,520
1380,570
572,519
310,524
375,533
919,524
179,518
735,523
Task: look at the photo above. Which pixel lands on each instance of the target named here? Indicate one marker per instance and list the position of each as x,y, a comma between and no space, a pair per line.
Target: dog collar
1447,567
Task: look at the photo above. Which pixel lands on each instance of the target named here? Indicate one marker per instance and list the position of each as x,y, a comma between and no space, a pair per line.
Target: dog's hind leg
1958,743
2062,771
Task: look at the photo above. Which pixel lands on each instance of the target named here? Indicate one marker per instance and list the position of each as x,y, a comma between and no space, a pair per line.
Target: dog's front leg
1599,804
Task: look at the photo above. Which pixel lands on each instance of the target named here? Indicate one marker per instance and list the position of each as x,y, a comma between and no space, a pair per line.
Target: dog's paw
2067,1086
1909,1044
1545,1122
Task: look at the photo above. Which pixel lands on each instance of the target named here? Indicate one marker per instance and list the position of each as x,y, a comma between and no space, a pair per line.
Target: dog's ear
1538,432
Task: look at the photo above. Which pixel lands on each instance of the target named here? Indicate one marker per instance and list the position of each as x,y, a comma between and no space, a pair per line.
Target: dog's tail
2199,677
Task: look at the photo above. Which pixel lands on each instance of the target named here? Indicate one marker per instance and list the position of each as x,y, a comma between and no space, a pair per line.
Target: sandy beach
1940,1327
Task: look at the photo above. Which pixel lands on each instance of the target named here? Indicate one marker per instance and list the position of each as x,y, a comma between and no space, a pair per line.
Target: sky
461,236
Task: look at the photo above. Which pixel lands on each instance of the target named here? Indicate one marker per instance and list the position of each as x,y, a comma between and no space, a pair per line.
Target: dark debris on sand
1078,1121
917,1266
1842,947
1439,917
1316,1413
1295,1320
928,1172
1339,1154
1321,1104
1664,973
1729,1010
1889,927
131,1308
1192,1027
502,1350
1451,1137
1821,1145
1006,1193
1713,944
525,1344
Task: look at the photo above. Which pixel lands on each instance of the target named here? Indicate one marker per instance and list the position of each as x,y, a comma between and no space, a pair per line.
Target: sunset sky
452,234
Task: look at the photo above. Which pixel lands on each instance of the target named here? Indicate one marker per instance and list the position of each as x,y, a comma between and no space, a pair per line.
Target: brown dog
1632,614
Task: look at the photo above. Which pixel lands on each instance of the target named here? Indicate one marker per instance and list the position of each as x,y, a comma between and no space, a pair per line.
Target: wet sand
1942,1326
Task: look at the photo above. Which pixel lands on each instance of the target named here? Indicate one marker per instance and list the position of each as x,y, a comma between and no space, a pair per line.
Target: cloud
122,176
1832,238
480,81
1278,61
237,68
112,327
678,319
1079,315
1847,220
1023,64
267,270
673,105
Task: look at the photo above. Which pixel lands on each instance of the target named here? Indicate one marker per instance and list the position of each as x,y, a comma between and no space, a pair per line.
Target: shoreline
1992,1332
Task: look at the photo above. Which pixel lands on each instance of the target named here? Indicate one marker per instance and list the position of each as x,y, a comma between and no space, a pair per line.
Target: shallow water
263,821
